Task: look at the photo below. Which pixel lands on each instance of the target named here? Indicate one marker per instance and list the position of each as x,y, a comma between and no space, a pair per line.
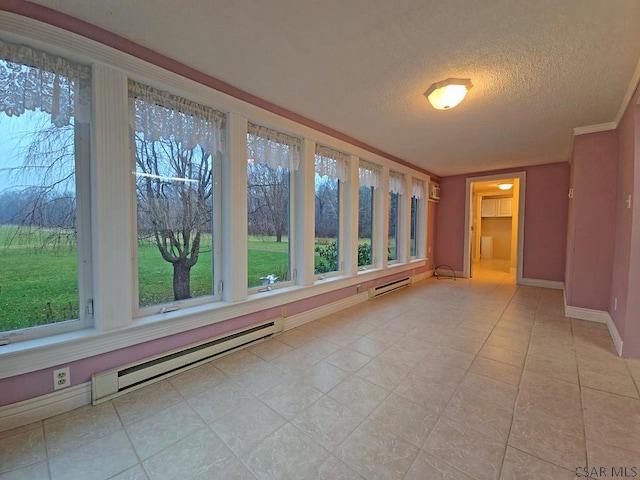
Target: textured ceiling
539,68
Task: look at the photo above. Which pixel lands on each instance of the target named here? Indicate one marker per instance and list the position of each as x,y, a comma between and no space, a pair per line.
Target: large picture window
273,156
178,145
369,178
416,199
331,169
44,216
396,189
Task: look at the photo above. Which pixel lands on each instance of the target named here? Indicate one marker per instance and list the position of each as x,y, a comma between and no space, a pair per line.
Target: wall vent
389,287
114,382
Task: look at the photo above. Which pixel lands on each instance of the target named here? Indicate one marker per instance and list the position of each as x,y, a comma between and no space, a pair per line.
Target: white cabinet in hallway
496,207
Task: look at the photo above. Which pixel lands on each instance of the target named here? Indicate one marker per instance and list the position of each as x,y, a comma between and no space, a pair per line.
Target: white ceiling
539,68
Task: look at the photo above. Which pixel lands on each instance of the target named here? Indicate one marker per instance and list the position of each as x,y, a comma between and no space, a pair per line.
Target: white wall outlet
615,303
61,378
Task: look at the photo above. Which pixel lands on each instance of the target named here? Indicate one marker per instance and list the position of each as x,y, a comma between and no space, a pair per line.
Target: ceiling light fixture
448,93
505,186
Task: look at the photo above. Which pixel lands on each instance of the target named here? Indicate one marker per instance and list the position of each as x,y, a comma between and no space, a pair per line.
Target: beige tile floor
445,380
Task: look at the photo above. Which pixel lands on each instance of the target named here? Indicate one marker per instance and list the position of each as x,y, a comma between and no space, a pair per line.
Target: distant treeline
37,208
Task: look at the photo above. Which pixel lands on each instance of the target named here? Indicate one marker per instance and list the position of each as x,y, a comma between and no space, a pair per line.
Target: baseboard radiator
114,382
389,287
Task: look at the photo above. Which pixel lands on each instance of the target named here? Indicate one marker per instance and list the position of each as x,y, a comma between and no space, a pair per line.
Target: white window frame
216,238
293,270
398,229
341,243
84,271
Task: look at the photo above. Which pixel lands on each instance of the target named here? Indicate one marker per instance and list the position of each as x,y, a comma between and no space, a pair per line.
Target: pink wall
545,220
450,223
592,221
431,233
626,274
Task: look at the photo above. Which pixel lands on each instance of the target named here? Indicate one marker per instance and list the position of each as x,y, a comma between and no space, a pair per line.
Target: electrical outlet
61,378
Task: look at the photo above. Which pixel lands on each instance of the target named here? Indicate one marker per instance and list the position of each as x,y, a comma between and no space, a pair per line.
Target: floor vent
389,287
110,384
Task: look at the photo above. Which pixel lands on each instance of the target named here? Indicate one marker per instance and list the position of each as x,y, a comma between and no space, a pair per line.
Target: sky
14,139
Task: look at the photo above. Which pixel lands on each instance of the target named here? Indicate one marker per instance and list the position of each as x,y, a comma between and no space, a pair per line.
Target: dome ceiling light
448,93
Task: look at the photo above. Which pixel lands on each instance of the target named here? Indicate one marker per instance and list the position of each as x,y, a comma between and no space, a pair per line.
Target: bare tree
41,203
268,201
174,190
327,208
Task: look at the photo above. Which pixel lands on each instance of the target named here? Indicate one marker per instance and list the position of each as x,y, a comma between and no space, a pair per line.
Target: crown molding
603,127
598,127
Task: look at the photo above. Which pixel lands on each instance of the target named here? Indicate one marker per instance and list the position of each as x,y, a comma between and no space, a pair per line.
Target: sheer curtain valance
31,79
396,183
162,115
369,174
332,163
417,189
272,147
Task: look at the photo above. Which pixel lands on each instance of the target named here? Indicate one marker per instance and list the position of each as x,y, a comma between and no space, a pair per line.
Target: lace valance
396,183
272,147
417,189
31,79
332,163
368,174
162,115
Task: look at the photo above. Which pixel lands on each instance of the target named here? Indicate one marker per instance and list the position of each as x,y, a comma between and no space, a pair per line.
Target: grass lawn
37,288
39,285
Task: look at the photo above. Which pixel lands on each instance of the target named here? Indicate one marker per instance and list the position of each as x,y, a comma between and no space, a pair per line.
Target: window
331,168
45,278
272,157
416,199
178,146
369,178
396,189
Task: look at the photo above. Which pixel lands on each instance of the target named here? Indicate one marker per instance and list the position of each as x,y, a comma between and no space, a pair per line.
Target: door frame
522,177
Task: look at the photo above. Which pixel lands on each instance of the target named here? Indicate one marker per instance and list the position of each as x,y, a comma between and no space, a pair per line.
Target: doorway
494,227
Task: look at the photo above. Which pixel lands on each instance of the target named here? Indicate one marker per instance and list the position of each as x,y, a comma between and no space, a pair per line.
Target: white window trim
293,280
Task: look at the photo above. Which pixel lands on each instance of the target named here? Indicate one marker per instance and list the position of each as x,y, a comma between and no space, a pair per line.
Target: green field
39,279
38,285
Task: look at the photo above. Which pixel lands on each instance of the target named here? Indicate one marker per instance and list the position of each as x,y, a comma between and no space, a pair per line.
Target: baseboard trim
599,316
38,408
534,282
615,335
315,313
449,274
588,314
422,276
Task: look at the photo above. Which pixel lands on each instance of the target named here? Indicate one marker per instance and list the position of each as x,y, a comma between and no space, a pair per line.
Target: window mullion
305,215
83,221
381,214
111,200
349,248
234,218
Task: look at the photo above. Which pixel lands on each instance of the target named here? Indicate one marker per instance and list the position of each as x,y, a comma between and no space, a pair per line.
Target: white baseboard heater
389,287
114,382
